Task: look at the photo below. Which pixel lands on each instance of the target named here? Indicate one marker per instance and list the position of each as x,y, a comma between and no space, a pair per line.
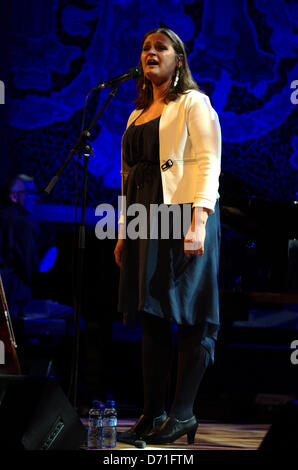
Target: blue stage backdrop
241,52
4,87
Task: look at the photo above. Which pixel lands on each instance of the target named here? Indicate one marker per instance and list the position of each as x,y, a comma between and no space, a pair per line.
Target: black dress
156,276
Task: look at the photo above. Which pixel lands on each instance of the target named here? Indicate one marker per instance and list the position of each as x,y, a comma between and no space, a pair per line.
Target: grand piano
259,247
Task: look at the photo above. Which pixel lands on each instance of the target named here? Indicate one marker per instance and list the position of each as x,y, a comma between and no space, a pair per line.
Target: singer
171,153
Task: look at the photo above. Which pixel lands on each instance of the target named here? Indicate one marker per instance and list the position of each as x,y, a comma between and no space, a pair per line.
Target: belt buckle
167,165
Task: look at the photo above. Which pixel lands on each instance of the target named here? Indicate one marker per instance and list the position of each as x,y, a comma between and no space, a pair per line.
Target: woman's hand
119,245
195,237
118,251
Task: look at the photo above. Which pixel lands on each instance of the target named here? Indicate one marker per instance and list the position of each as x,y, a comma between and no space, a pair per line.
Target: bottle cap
110,403
95,404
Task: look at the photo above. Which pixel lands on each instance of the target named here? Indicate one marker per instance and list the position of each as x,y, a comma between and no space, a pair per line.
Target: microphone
134,72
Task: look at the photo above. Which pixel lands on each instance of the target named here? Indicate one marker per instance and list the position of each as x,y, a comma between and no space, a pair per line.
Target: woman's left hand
195,237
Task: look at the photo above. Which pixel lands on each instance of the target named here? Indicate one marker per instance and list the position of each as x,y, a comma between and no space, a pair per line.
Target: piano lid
246,209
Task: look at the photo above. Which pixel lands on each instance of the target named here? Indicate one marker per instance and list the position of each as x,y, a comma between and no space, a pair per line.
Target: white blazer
190,141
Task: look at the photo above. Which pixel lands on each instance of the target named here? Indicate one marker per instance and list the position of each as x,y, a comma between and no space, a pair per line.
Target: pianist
20,251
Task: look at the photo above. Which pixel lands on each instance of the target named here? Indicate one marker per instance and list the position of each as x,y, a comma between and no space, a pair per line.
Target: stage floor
210,436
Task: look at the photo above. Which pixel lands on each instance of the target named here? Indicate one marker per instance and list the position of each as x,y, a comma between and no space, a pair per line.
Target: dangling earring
177,76
144,84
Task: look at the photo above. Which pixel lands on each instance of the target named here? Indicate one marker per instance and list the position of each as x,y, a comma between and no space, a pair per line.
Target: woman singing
171,152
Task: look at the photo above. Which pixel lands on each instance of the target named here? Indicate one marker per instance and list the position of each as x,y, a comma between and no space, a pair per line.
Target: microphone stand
81,147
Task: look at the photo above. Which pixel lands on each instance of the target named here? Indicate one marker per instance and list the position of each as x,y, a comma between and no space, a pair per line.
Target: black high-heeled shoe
172,429
141,428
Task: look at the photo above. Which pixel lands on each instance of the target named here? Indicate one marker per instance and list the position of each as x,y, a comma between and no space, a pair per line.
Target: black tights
193,359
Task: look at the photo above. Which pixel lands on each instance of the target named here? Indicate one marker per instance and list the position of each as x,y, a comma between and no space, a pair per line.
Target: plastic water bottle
109,426
94,437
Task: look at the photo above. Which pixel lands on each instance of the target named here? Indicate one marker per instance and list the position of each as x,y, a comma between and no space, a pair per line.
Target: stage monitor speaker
35,414
283,433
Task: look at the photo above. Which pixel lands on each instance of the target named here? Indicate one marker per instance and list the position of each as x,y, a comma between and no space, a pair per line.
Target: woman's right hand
118,251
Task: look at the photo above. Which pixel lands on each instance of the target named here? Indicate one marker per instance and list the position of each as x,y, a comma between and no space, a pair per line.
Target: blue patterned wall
242,53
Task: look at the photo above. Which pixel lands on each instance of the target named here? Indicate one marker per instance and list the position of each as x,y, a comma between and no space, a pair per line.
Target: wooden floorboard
211,436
